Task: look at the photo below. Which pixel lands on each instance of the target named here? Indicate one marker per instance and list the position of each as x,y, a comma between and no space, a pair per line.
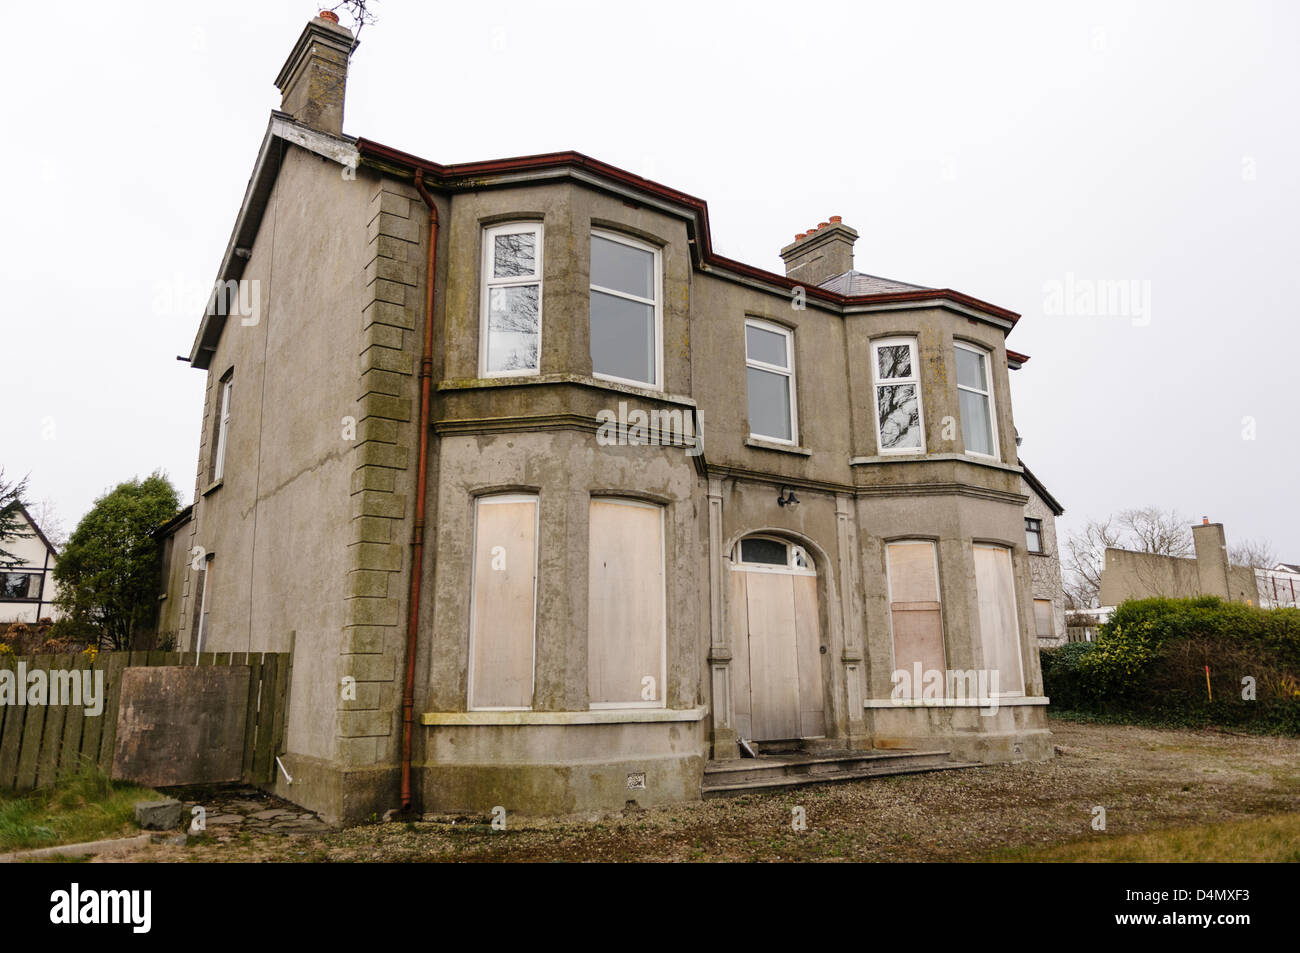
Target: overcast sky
1016,153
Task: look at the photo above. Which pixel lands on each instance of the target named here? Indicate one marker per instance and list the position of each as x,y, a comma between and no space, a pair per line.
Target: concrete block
385,312
376,556
369,668
384,382
383,405
365,639
162,815
368,583
375,503
380,479
362,611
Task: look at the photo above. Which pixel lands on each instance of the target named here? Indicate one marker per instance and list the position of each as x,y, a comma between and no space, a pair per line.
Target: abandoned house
558,508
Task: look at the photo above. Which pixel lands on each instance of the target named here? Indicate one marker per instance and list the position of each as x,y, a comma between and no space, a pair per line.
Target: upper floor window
975,400
769,371
512,300
626,317
1034,535
898,396
21,586
222,426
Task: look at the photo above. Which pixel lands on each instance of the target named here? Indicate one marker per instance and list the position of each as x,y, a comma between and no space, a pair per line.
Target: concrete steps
794,769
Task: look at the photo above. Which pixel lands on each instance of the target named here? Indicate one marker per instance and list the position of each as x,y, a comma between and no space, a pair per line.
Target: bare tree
1147,529
48,519
1253,553
357,12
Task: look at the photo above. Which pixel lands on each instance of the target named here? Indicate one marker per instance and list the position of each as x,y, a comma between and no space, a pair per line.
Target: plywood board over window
999,623
626,613
1043,618
503,617
915,612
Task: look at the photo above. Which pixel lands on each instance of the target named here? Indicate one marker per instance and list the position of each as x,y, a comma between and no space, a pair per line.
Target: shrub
1152,656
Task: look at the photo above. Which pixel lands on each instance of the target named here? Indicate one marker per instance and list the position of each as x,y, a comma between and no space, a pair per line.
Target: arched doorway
776,641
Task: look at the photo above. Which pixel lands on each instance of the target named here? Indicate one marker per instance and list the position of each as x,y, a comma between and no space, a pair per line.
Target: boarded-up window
1043,618
503,613
999,625
625,605
914,611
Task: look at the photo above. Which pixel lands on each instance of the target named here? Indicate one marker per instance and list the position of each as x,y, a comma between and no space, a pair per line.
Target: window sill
935,457
1009,701
761,444
1037,552
582,380
600,716
214,486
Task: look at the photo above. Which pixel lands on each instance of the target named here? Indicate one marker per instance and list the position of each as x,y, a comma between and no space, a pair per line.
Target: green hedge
1149,660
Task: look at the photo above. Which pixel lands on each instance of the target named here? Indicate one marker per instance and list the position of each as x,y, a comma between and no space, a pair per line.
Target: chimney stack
820,253
1211,559
315,76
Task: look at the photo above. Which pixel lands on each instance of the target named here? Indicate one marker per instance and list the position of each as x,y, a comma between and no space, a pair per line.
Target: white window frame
878,382
788,372
988,395
794,552
662,687
473,591
223,426
489,282
658,383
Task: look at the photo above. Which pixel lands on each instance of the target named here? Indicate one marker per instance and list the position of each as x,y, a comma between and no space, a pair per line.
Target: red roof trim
1017,357
446,174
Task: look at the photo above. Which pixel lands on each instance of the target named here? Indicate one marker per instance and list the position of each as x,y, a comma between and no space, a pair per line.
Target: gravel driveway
1145,779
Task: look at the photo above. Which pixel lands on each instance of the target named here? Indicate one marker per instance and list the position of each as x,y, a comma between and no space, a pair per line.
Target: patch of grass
1271,839
87,807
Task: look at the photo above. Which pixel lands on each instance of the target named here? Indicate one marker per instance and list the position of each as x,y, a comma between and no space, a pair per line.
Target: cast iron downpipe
422,481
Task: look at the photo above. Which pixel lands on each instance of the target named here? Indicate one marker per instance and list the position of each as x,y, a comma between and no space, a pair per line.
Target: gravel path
1145,779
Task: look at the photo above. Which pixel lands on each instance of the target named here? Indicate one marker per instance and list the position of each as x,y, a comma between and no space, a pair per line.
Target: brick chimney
820,253
1211,559
314,77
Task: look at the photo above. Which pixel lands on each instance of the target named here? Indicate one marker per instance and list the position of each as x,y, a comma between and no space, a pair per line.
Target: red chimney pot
836,219
329,15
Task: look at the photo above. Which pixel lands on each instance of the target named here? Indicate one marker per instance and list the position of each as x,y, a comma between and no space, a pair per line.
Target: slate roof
860,283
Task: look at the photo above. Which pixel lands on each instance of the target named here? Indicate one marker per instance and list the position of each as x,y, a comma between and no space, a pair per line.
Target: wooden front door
777,651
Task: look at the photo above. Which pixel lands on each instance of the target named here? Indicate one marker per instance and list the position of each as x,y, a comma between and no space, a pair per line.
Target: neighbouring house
27,588
1130,575
557,507
1279,587
1044,560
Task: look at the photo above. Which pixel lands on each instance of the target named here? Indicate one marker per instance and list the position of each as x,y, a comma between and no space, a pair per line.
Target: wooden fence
42,744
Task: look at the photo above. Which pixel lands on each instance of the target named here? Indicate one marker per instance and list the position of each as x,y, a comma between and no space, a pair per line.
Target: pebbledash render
675,505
